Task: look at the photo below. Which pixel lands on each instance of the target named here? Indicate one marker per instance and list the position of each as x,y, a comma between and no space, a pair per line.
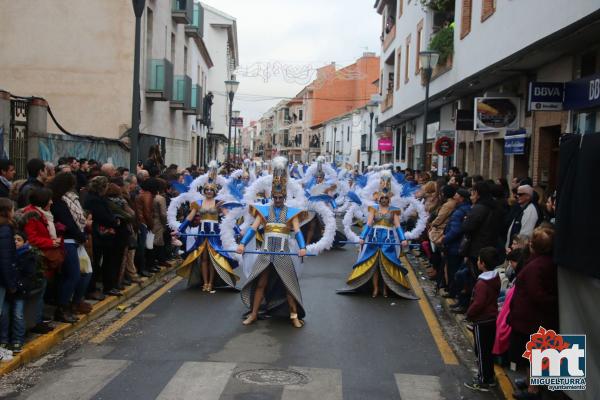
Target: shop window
586,122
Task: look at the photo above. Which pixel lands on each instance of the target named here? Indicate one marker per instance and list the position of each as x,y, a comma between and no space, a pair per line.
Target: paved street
189,344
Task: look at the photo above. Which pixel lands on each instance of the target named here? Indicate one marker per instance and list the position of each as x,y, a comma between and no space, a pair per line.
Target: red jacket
484,302
35,226
535,300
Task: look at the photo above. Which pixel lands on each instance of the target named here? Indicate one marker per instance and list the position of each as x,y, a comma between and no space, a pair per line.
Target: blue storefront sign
582,93
546,96
514,142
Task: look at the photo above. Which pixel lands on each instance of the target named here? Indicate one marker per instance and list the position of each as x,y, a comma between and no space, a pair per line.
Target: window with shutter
487,9
465,19
418,48
407,59
398,66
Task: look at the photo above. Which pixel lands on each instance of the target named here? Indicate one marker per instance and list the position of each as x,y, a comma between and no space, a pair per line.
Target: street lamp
428,60
236,115
371,107
134,132
231,87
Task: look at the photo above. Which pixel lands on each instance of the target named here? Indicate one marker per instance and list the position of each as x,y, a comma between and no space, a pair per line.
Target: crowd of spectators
74,233
489,245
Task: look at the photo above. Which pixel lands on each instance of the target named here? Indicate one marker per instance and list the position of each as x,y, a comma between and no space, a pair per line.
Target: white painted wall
514,26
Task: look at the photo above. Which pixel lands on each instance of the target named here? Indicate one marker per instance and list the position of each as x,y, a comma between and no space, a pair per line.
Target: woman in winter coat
67,211
121,210
106,262
535,299
160,222
37,222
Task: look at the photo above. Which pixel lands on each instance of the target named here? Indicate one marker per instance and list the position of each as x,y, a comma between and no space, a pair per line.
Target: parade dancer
378,262
206,263
273,278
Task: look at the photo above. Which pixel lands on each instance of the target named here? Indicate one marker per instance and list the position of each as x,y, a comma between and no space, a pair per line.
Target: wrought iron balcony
159,83
182,11
196,28
182,92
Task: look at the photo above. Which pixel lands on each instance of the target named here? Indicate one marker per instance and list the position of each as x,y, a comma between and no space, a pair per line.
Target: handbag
464,246
53,258
85,264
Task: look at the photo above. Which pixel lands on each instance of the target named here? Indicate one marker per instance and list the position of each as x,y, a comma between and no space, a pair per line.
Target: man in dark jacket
36,171
7,174
483,223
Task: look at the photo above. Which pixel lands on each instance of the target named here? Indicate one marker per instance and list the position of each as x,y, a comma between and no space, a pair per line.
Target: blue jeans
81,288
13,319
69,275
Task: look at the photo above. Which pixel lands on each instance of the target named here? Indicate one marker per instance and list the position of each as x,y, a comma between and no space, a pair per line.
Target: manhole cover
273,377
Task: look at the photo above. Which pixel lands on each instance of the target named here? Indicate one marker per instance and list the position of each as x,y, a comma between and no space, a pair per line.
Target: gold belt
270,228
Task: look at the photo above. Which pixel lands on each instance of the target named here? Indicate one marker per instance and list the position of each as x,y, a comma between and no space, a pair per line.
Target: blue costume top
383,231
209,225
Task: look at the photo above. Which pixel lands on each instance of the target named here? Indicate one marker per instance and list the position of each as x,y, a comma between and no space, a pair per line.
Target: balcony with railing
182,11
195,103
182,92
195,29
159,82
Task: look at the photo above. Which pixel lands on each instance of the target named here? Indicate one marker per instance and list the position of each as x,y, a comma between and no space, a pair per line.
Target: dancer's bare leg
298,323
204,269
375,281
259,293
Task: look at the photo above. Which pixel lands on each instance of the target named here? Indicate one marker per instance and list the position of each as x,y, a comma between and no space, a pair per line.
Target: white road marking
81,381
198,380
418,387
324,384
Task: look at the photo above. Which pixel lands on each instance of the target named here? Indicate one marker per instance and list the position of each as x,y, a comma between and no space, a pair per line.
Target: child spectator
8,259
483,312
28,280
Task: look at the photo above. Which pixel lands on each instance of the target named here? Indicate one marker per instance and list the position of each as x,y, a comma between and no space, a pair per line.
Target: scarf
50,219
71,199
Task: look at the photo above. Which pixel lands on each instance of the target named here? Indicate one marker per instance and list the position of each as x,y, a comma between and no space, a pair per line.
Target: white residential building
495,48
221,40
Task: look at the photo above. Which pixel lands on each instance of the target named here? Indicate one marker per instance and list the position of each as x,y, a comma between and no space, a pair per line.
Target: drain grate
272,377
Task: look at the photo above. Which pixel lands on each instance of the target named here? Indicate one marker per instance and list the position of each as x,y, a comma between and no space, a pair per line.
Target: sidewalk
42,344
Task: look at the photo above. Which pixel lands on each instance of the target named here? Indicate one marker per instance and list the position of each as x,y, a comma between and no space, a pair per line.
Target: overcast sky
293,37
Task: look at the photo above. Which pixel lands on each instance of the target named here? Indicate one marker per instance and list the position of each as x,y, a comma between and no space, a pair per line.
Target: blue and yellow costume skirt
220,261
380,258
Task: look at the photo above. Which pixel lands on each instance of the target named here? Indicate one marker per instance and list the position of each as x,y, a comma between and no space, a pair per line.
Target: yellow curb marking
434,326
115,326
